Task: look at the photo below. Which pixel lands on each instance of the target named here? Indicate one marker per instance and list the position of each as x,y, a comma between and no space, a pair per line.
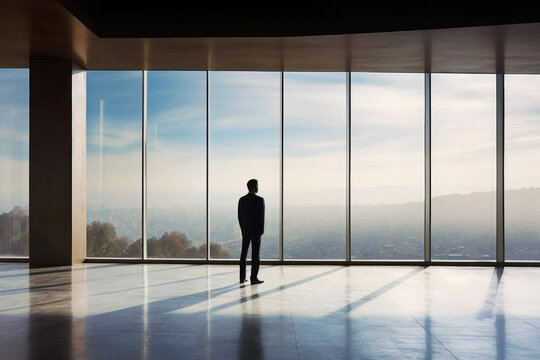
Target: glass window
244,144
114,109
314,165
176,164
463,167
387,166
522,171
14,138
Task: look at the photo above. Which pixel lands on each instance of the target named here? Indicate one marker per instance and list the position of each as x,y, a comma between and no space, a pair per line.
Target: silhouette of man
251,220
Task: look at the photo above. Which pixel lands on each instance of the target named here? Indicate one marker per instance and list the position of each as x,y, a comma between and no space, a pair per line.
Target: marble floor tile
136,311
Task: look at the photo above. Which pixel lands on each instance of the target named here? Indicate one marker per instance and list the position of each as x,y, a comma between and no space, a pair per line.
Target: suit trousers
255,256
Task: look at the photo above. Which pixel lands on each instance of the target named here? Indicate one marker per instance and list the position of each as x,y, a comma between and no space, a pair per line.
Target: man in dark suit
251,219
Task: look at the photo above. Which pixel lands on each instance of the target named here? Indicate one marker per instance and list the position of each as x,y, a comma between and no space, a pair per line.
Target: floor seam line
525,321
504,312
163,323
292,322
432,335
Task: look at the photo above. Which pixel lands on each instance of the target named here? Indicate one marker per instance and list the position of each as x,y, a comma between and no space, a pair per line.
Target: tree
170,245
101,240
134,249
14,230
218,252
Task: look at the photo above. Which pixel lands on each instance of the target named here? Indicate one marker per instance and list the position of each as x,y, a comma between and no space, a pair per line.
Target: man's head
253,185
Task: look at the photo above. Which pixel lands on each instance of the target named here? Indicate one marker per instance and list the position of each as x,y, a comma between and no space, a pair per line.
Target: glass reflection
314,165
387,166
463,167
244,143
176,171
14,137
113,145
522,175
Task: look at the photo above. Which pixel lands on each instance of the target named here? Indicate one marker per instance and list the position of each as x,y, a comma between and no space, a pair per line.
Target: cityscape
463,228
244,134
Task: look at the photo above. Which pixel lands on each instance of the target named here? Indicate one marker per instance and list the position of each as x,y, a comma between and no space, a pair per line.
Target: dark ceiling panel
45,29
165,18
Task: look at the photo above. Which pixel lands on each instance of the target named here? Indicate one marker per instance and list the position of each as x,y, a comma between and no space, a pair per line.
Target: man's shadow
250,345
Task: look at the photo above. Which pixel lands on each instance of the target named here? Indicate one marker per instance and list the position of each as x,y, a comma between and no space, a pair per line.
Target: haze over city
387,158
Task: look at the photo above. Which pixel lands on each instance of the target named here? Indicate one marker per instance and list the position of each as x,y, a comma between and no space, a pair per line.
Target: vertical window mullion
348,171
207,165
281,168
500,257
144,172
427,168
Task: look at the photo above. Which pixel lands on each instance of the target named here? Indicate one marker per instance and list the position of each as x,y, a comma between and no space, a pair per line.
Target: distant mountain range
457,210
463,226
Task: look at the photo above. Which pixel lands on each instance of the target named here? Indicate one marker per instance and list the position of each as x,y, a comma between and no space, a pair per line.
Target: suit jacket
251,215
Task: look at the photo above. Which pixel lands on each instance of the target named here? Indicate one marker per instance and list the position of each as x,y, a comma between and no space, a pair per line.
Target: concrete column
57,163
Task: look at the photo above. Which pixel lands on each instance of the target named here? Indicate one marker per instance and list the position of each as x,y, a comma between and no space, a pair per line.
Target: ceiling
166,18
386,36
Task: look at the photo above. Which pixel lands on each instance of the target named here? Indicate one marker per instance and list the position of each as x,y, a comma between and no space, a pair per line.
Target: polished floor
115,311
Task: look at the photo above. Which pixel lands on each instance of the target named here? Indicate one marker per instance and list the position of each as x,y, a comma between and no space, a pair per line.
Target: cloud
388,101
316,147
315,173
463,133
119,172
522,131
387,135
14,112
184,116
315,115
246,120
115,135
177,170
14,88
387,114
231,174
14,177
246,79
244,101
98,76
314,104
13,139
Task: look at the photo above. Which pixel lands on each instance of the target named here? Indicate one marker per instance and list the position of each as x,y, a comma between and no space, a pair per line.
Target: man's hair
252,184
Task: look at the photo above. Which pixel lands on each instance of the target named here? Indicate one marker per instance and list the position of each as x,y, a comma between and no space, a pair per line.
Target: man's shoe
256,281
243,281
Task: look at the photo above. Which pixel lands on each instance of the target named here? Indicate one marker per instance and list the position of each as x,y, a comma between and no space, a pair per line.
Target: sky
522,131
387,136
244,129
463,133
176,138
14,117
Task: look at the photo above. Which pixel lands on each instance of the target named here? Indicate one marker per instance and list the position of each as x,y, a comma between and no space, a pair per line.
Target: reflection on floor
98,311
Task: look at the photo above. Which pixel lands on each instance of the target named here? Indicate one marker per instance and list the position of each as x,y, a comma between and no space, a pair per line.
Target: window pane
387,166
463,167
522,171
14,133
314,165
114,108
176,164
244,144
